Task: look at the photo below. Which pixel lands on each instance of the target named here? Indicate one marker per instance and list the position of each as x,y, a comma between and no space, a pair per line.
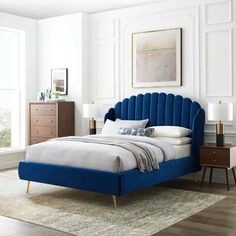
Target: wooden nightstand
218,157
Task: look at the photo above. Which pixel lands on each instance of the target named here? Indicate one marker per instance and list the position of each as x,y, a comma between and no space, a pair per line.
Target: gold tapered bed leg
28,186
114,201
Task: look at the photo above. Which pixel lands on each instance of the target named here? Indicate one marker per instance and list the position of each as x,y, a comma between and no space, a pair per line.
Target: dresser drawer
48,121
215,157
35,140
43,132
43,109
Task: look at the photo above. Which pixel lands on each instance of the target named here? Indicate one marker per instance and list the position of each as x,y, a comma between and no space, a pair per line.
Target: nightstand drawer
215,157
48,121
43,109
43,132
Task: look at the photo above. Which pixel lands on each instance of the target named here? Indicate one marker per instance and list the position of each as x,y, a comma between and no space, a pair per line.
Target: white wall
62,43
209,54
105,77
30,27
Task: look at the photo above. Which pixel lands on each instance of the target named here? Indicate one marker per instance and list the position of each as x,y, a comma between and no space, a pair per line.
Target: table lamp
220,112
92,111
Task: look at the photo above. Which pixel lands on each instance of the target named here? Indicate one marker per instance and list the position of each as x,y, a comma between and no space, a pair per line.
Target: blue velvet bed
160,109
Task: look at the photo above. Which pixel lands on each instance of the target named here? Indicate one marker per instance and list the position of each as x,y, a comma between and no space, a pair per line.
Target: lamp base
92,131
92,126
220,140
220,134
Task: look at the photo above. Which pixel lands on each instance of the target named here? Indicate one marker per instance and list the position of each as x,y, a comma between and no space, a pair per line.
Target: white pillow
176,141
134,124
111,128
170,131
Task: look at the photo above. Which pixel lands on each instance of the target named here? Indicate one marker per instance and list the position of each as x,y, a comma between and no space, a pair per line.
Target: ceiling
39,9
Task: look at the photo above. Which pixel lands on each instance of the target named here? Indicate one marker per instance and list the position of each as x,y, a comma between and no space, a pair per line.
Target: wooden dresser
51,120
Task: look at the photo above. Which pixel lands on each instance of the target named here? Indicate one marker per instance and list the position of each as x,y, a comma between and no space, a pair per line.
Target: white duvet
96,156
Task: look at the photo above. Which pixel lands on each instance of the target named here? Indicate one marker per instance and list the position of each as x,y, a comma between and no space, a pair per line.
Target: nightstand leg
210,179
195,179
227,177
203,175
234,175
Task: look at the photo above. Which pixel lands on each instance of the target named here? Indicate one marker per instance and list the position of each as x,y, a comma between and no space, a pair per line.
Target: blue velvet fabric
101,181
161,109
72,177
134,180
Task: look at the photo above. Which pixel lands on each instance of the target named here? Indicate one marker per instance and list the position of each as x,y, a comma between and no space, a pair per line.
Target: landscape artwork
157,58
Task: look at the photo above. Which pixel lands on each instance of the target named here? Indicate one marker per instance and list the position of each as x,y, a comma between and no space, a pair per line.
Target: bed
161,109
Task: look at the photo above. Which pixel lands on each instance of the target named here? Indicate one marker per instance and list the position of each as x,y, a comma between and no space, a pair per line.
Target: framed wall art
156,58
59,81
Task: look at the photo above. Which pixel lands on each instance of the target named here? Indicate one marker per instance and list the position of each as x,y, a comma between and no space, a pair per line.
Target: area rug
84,213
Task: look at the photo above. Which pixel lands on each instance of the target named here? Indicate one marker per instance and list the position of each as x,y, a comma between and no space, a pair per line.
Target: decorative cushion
137,132
113,127
176,141
170,131
110,128
135,124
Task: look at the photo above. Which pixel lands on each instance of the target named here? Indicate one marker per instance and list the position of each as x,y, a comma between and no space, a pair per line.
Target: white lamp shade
91,110
220,111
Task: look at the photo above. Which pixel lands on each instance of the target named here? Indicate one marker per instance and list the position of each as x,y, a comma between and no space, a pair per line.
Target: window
12,92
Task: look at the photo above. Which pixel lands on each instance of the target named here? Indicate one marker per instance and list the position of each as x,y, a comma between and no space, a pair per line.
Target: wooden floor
217,220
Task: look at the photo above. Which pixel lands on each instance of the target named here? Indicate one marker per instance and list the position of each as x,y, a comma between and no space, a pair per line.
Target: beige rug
83,213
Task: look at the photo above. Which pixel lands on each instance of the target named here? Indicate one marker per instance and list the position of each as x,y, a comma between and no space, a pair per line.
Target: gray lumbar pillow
135,124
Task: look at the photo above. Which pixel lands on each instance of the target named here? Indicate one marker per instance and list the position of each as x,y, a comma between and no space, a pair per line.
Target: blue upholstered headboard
163,109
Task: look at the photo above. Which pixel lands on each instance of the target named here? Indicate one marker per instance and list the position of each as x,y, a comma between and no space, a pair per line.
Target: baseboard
11,160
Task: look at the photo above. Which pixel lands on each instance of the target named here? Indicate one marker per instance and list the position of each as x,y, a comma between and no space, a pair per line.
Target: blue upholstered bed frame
160,109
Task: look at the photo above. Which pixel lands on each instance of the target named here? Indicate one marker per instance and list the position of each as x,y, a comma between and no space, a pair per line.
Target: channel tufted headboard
163,109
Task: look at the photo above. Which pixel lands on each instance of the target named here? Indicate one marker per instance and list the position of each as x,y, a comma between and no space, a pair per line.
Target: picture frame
157,58
59,81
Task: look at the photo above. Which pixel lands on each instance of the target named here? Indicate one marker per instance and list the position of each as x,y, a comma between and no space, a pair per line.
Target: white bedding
95,156
182,150
99,156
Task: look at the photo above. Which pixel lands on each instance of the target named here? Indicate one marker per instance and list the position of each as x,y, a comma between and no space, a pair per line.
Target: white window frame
20,124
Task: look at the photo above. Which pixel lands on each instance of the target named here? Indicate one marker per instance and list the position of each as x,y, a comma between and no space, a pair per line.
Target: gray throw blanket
145,157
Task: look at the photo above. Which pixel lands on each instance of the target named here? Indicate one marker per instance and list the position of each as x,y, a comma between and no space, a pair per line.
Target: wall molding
106,38
193,12
206,33
231,134
206,6
112,78
102,25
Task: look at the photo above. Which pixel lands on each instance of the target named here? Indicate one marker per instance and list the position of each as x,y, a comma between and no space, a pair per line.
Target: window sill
11,150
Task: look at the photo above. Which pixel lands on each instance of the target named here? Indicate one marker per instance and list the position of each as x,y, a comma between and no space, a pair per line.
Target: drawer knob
50,132
36,131
50,121
50,109
36,120
214,153
36,109
214,160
